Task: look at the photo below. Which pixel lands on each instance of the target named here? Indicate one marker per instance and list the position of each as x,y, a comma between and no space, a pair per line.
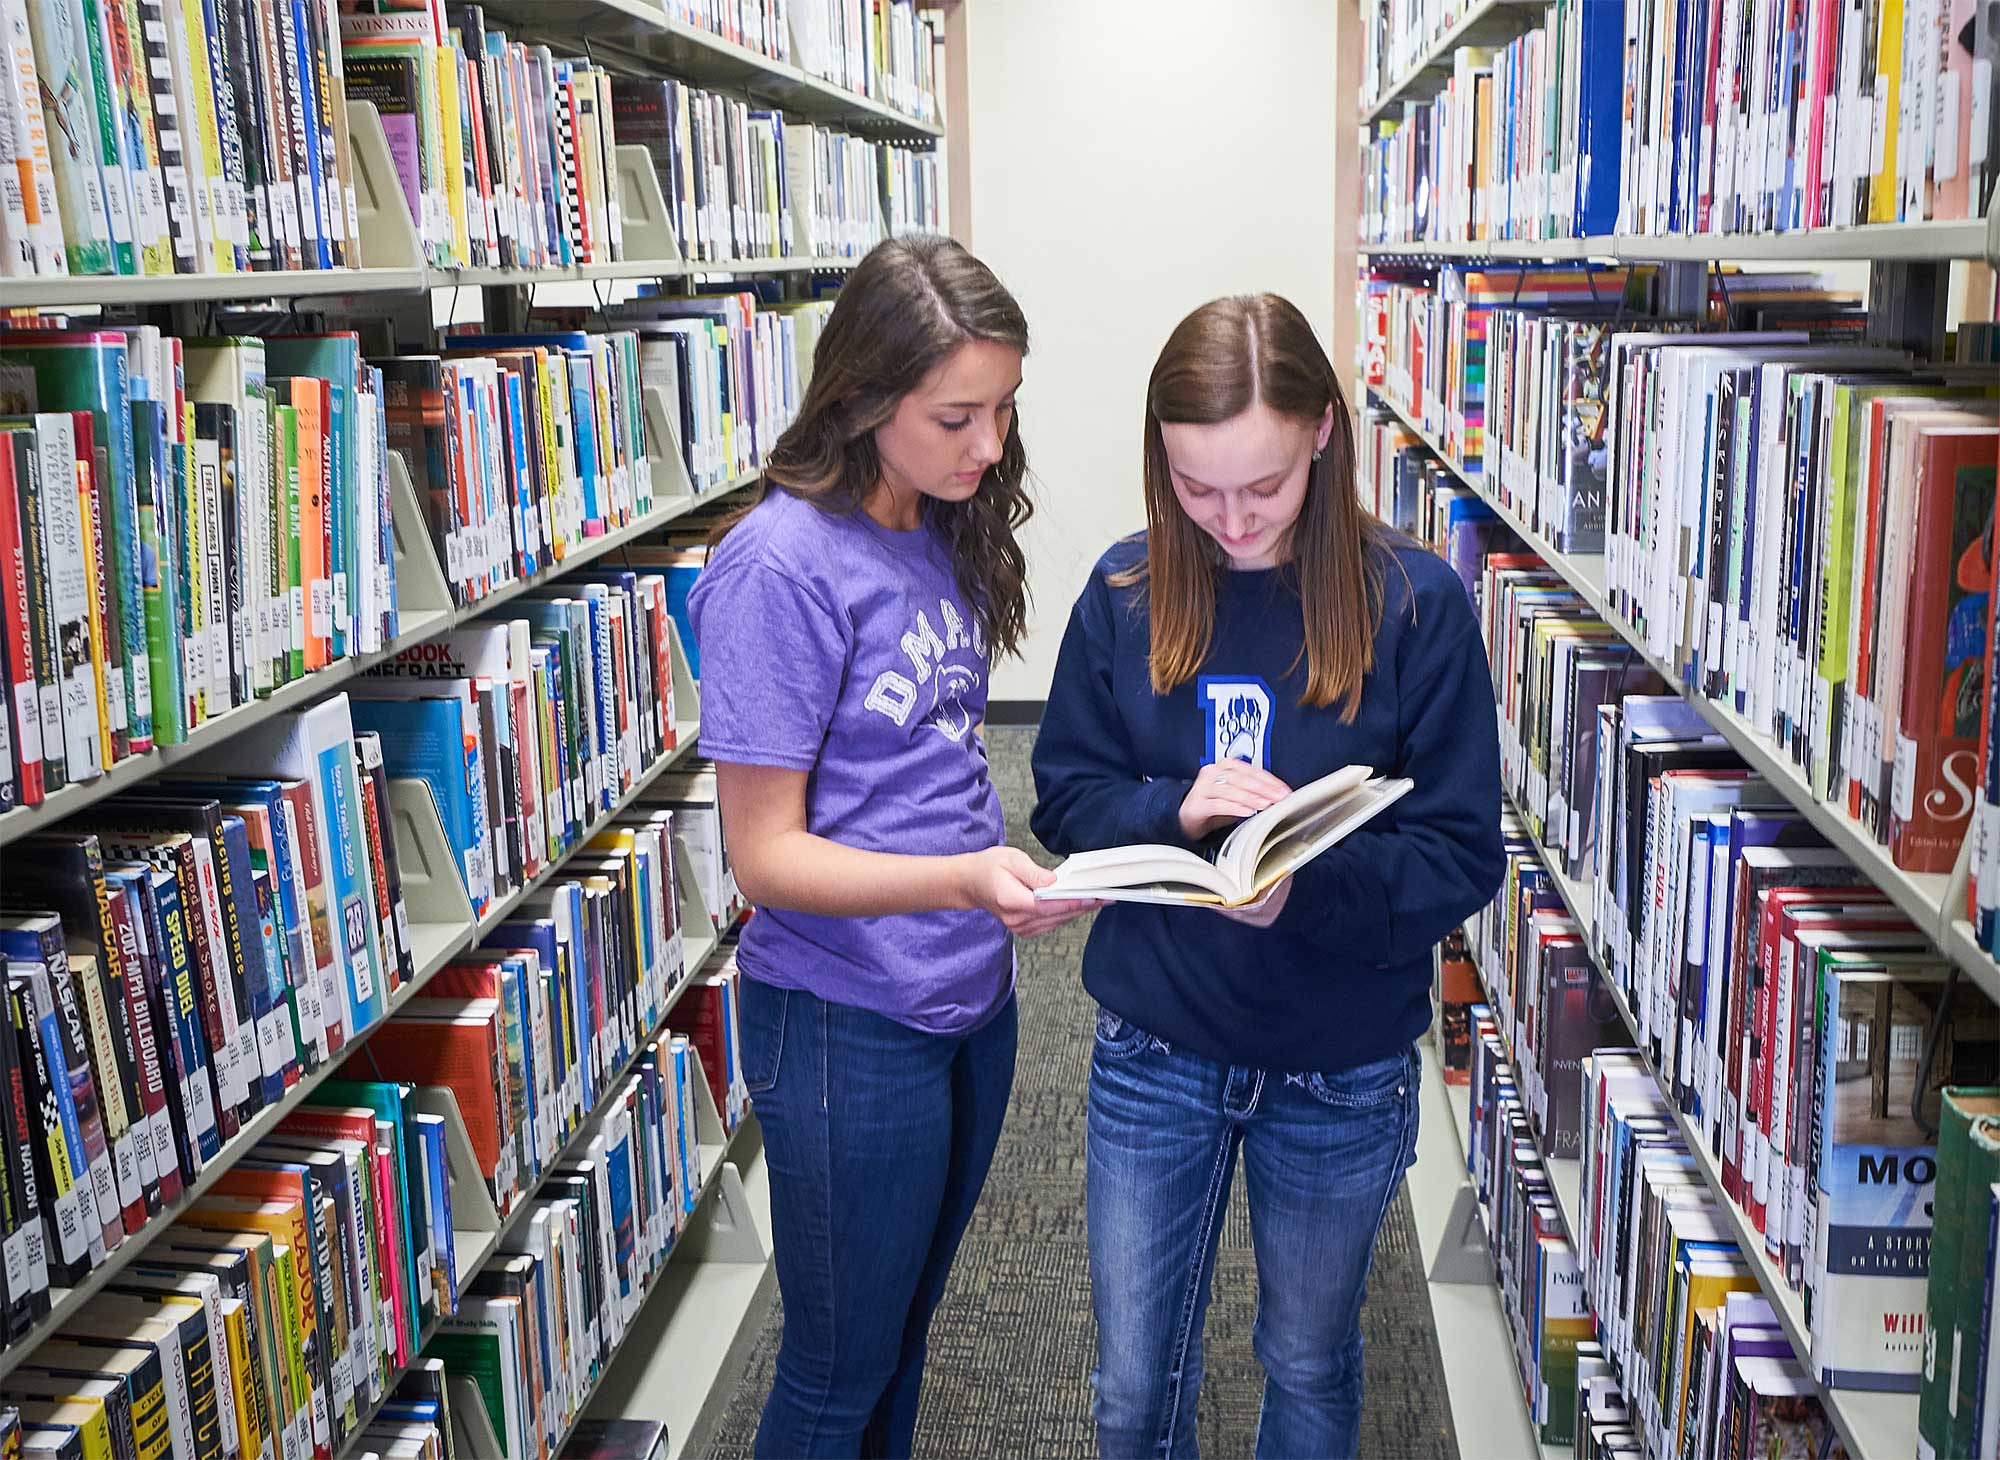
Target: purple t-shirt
833,645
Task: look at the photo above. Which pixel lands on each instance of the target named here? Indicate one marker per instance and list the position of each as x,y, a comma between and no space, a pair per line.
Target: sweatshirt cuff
1156,815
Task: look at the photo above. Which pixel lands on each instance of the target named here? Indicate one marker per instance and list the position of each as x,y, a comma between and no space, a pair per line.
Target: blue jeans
877,1138
1323,1154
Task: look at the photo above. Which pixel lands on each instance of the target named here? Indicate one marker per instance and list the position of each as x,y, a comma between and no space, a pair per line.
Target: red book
151,1069
1937,738
455,1044
17,664
1788,911
304,833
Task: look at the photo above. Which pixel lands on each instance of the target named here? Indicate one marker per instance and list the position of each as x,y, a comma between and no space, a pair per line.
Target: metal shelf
1487,22
58,805
1903,242
1871,1424
643,33
1928,900
1565,1172
78,290
434,945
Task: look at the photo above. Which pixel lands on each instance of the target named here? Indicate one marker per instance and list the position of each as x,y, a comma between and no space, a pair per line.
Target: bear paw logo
1239,730
953,685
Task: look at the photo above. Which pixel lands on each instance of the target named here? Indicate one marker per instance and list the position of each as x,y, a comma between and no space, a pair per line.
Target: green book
336,359
159,553
112,140
1980,1171
285,439
1958,1234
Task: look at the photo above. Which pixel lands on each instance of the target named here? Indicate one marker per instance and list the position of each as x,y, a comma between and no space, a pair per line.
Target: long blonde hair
1222,359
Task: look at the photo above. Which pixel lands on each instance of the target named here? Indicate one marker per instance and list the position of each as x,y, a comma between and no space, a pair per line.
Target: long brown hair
1224,358
907,306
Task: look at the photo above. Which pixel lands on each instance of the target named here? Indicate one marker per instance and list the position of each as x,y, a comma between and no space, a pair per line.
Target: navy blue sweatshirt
1343,976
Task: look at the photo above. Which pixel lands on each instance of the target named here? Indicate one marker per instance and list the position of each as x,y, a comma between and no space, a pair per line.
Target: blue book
690,1154
320,230
1600,100
426,738
78,1227
182,1003
540,935
294,931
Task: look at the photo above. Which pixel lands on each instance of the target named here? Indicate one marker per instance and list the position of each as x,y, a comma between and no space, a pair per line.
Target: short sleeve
773,658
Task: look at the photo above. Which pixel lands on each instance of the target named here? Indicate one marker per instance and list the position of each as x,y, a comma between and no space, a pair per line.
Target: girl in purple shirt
844,623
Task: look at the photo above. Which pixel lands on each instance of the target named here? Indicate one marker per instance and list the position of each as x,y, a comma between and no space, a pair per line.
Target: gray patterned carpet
1012,1345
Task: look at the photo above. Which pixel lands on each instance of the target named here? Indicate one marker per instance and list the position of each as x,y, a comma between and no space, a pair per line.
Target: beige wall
1130,159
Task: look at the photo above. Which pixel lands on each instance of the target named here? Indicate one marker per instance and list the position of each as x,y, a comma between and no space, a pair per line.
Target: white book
63,530
1260,852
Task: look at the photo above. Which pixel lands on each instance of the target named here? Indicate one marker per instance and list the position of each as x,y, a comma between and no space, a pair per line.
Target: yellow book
551,463
449,59
128,1377
87,1415
208,137
263,1318
247,1377
297,1309
87,510
1884,197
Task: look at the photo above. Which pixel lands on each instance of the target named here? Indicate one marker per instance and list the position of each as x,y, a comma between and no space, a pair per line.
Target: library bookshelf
1418,66
716,1275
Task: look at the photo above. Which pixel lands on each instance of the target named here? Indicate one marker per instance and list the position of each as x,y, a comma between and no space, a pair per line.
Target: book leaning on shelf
1258,853
506,153
744,182
528,730
884,50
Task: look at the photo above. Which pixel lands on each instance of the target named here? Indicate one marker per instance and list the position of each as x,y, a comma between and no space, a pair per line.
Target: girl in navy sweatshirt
1263,632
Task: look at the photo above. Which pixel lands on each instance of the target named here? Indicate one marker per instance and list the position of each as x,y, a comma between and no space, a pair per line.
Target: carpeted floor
1012,1345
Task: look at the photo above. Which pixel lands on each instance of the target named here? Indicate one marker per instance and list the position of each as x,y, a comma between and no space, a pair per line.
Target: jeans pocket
761,1033
1117,1037
1364,1087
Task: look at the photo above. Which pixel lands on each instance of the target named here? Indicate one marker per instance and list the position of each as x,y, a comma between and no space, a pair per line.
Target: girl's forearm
800,872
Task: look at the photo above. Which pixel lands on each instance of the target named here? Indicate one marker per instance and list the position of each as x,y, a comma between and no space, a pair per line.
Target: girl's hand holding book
1228,790
1002,881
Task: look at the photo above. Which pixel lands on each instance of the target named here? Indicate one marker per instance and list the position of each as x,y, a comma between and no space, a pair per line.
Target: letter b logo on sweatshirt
1239,719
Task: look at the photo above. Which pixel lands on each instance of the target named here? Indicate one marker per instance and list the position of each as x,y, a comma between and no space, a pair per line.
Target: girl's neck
897,510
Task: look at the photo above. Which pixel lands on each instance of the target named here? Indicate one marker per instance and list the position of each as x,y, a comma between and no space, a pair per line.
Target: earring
1318,452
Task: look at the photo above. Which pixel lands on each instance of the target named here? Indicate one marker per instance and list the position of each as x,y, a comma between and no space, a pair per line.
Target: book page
1171,872
1300,843
1243,849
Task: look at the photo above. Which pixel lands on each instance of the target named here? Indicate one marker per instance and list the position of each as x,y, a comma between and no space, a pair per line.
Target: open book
1263,849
